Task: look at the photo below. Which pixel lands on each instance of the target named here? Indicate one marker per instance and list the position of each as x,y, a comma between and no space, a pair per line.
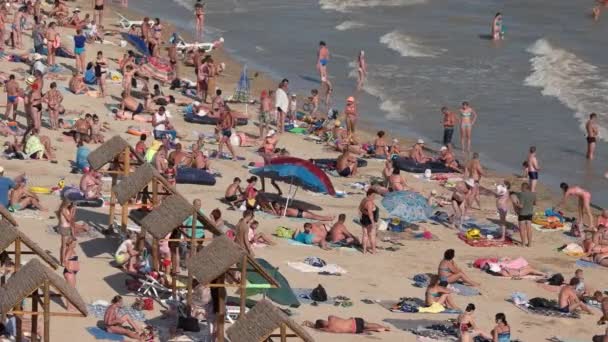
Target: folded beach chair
151,287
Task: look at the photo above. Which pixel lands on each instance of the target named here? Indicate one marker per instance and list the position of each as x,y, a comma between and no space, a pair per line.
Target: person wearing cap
282,104
350,112
6,185
417,153
461,198
474,170
34,100
447,157
502,205
394,150
75,18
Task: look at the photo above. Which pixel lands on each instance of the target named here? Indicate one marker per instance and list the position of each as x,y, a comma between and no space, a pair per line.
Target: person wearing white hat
447,158
417,152
502,205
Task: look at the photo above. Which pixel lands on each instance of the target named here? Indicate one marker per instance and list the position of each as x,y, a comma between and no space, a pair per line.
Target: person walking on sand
361,69
282,104
16,29
13,92
199,12
449,121
264,117
468,116
51,35
369,219
475,171
98,11
322,60
584,201
592,135
533,168
226,125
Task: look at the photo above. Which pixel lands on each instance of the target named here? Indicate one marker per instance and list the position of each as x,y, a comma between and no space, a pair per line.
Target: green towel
200,233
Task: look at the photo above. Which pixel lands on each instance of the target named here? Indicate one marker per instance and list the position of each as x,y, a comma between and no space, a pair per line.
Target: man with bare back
592,135
12,98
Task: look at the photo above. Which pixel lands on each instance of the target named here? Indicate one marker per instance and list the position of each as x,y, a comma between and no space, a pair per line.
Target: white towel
306,268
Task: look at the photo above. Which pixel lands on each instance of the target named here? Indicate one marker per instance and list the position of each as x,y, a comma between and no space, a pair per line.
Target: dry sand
378,277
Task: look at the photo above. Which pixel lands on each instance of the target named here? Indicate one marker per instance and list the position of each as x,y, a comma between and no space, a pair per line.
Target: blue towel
585,263
104,335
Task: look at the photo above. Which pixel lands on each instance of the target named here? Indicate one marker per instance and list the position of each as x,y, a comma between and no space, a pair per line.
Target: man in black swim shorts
353,325
592,134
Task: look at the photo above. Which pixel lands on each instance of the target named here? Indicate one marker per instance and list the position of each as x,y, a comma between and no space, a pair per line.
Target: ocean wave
394,108
346,5
407,46
349,25
574,82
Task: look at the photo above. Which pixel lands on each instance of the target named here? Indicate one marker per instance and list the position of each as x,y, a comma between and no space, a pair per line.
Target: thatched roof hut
7,216
107,151
215,259
10,234
171,215
261,321
130,186
31,277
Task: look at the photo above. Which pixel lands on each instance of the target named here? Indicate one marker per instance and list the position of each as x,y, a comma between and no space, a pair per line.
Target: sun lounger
126,24
151,287
182,45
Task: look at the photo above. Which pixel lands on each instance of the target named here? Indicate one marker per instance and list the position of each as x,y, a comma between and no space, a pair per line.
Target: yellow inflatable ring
40,190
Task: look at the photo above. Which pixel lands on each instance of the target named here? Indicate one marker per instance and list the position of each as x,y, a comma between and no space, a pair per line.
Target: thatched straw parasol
10,235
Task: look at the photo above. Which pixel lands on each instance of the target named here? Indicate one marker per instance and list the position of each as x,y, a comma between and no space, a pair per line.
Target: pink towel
515,264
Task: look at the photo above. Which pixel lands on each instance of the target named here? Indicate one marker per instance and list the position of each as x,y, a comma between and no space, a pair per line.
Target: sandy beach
379,278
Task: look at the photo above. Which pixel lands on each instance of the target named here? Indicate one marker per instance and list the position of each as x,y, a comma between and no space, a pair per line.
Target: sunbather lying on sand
278,210
515,268
353,325
312,234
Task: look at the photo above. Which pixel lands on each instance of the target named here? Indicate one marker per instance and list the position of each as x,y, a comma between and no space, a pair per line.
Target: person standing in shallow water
592,135
468,116
199,12
533,168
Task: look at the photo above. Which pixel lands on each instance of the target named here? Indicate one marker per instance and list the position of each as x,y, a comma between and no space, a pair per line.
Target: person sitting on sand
353,325
596,252
96,131
417,152
568,299
380,145
279,209
350,144
599,297
126,255
270,142
76,84
447,157
129,107
75,19
60,12
38,146
502,330
339,233
346,164
311,234
242,232
234,192
449,272
82,129
466,326
91,184
394,150
436,293
257,237
114,322
21,198
179,157
396,182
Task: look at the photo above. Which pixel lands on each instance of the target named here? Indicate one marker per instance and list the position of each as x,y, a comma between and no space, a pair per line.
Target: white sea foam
349,25
407,46
395,109
346,5
573,81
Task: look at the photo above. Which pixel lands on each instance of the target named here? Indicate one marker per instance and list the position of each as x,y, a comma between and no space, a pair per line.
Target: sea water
536,87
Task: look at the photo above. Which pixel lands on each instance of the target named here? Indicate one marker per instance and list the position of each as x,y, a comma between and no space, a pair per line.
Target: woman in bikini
584,202
199,12
154,44
468,118
369,218
101,70
72,266
467,329
460,200
436,293
450,273
502,330
67,226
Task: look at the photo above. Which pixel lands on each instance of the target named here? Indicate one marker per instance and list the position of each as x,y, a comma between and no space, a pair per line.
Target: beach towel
103,335
304,296
99,310
540,228
463,290
585,263
415,305
483,242
332,245
329,268
547,312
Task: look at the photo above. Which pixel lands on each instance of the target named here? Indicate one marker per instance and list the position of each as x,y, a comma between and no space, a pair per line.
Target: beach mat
586,264
539,228
306,268
485,242
99,334
407,235
547,312
292,242
283,295
415,302
464,290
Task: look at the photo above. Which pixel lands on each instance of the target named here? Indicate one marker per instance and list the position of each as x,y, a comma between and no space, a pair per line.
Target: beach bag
148,304
283,232
556,280
539,302
188,324
319,294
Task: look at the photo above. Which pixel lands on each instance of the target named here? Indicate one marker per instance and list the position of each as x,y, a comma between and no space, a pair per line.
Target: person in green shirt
524,206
